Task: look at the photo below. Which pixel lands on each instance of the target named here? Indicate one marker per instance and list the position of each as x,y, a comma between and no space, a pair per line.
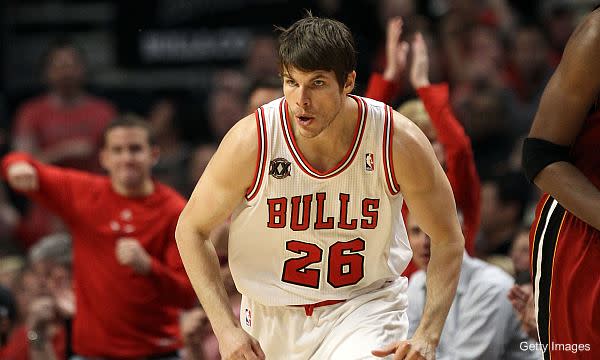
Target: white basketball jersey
303,236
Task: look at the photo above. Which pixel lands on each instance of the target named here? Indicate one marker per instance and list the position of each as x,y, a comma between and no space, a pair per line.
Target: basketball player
315,181
561,155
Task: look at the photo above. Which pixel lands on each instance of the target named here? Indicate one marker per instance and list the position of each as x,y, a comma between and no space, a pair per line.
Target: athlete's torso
304,236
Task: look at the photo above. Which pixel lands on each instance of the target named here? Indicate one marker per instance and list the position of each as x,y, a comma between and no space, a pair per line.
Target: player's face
419,242
128,156
314,99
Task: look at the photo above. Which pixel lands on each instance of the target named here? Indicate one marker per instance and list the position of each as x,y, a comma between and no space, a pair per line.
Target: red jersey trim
261,156
346,160
388,138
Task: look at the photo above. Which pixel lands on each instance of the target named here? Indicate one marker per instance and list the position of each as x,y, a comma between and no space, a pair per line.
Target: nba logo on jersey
369,162
248,317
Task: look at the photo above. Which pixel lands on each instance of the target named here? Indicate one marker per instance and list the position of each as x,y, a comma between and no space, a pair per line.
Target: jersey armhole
388,140
261,155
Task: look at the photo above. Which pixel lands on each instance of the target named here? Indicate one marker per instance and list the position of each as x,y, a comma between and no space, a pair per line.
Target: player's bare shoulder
413,157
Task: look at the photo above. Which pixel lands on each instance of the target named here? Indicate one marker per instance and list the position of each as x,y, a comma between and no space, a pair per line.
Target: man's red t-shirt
48,123
119,313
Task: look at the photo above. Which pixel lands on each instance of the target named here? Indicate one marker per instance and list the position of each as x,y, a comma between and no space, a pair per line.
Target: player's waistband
308,308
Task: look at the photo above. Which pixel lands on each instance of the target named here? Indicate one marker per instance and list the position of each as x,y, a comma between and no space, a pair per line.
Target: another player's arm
429,198
220,189
569,95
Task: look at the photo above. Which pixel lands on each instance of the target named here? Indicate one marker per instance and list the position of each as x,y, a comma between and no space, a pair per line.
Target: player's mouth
304,120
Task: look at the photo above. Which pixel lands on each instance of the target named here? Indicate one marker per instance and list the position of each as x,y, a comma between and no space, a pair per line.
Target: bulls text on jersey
299,220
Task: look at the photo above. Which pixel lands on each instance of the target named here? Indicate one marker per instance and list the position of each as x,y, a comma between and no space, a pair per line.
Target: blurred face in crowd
161,118
438,148
530,51
314,98
225,109
420,243
519,252
199,160
261,96
262,60
65,71
489,206
128,157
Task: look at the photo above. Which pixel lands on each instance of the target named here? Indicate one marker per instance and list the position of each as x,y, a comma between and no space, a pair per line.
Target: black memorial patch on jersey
279,168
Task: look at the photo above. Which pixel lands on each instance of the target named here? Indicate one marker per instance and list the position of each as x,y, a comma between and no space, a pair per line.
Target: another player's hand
236,344
131,253
22,176
396,51
419,69
416,348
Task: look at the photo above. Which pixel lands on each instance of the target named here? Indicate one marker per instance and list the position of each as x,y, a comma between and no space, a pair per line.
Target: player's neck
145,189
328,148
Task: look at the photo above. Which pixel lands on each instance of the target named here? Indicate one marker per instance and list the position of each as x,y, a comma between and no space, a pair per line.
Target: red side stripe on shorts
388,165
261,156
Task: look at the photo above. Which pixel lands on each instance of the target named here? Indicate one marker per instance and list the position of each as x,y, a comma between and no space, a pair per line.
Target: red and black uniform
119,314
565,264
460,164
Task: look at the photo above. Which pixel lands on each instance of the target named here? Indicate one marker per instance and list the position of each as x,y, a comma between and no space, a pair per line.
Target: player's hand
131,253
22,176
396,52
236,344
413,349
419,70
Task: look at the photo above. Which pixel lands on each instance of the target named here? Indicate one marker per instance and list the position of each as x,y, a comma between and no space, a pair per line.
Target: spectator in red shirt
129,281
64,126
61,127
438,122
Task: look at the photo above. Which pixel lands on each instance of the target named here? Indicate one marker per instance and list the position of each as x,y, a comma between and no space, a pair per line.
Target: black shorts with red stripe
565,267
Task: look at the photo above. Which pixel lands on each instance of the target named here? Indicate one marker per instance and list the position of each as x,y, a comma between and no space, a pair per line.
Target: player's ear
350,81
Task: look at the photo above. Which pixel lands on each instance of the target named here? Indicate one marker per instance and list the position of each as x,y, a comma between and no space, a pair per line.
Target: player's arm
429,198
568,97
220,189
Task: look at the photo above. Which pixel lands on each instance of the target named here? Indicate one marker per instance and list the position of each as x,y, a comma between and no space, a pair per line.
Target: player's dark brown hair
129,120
314,43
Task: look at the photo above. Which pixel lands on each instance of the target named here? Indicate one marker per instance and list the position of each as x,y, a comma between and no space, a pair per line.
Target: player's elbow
537,154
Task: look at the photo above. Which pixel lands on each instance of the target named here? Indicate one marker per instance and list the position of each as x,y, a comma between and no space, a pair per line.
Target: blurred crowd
495,56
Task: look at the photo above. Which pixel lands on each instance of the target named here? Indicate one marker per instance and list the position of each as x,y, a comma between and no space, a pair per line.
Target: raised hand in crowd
396,50
22,176
419,69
